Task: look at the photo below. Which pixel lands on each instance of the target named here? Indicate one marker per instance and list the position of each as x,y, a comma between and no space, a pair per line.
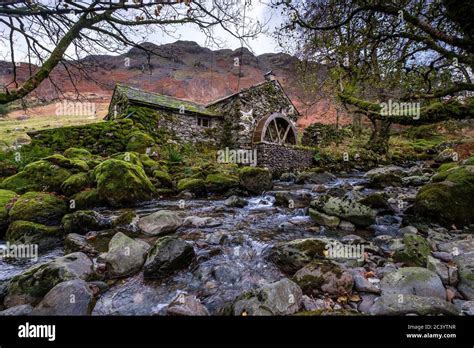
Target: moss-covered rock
415,251
142,143
37,176
26,232
196,186
83,221
6,197
221,183
255,180
74,165
346,209
149,165
376,201
78,153
449,199
163,178
129,157
87,199
76,183
39,207
121,183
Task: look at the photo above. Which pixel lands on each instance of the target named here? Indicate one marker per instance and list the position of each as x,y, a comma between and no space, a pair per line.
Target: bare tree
61,32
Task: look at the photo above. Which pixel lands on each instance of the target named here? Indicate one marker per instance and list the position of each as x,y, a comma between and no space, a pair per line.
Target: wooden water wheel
275,129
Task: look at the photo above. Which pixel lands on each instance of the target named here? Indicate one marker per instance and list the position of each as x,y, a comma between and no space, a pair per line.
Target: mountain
182,69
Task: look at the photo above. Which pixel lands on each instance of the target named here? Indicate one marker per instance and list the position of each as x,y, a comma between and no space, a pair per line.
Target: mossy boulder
142,143
293,255
376,201
415,251
37,176
148,164
196,186
26,232
345,209
163,178
449,199
83,221
87,199
78,153
33,284
221,183
129,157
6,197
385,176
76,183
74,165
255,180
39,207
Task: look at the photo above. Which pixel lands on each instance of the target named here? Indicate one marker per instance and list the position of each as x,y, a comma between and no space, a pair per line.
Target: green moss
148,164
196,186
37,176
446,166
141,142
39,207
129,157
83,221
125,218
26,232
121,183
76,183
415,251
221,183
87,199
5,198
74,165
163,178
78,153
469,161
255,180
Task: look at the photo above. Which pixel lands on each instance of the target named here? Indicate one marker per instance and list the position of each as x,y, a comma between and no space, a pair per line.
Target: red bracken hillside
182,69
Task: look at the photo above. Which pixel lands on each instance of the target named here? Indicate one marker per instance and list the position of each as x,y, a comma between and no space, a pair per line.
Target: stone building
260,117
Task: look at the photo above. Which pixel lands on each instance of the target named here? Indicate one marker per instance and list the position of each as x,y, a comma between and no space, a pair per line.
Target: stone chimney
270,76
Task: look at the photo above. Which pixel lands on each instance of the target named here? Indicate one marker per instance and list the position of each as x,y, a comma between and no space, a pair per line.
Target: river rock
448,274
345,209
293,255
393,304
235,201
316,177
324,277
197,221
20,310
280,298
255,180
418,180
414,252
465,263
186,305
323,219
362,284
288,177
31,285
160,223
26,233
39,207
347,226
126,256
6,197
169,254
83,221
293,199
73,297
385,176
414,281
457,247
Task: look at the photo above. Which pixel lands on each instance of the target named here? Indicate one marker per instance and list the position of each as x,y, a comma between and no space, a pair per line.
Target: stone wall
280,159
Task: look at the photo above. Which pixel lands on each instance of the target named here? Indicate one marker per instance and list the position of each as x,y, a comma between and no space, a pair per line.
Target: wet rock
197,221
255,180
126,256
445,156
26,232
19,310
448,274
408,229
385,176
366,303
235,201
31,285
311,304
467,308
73,297
294,255
324,277
169,254
465,263
280,298
324,219
345,209
317,177
221,183
83,221
414,252
195,186
346,226
288,177
186,305
362,284
42,208
121,183
393,304
388,244
414,281
415,180
226,274
292,199
442,255
457,247
160,223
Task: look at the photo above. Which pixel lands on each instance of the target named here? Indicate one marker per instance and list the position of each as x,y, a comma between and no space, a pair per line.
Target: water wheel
275,129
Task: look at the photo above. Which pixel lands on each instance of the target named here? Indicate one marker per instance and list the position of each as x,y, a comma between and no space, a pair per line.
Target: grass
12,130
